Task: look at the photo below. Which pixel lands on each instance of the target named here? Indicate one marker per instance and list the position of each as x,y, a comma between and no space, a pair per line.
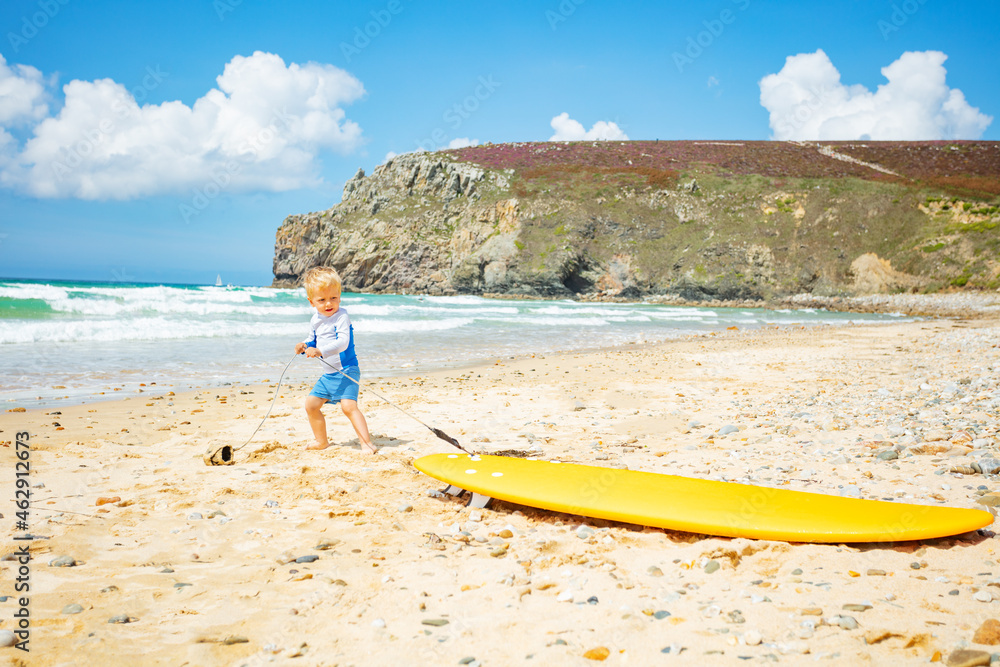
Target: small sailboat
218,280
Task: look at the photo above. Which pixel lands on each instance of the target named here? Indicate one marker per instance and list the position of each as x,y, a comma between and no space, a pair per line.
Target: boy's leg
314,410
353,413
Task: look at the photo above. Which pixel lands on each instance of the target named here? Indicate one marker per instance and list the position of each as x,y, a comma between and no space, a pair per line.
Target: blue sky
166,141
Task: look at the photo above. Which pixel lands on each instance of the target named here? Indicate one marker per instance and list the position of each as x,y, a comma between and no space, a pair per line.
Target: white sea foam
403,326
204,335
137,329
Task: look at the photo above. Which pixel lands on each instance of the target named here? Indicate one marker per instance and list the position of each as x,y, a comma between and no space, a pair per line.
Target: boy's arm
307,343
336,335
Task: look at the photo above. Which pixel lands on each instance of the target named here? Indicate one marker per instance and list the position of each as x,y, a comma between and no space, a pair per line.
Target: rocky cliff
698,220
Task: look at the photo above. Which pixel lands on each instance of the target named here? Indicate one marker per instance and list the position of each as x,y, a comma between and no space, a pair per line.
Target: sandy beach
336,558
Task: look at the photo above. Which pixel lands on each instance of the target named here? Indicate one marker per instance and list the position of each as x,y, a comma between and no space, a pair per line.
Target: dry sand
198,557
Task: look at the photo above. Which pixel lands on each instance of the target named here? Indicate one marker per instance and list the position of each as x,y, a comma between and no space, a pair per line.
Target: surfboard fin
479,500
453,490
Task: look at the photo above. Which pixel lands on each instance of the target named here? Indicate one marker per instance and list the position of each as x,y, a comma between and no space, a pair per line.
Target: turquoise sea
66,342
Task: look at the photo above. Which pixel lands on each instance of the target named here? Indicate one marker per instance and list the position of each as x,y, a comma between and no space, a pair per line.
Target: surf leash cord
270,407
436,431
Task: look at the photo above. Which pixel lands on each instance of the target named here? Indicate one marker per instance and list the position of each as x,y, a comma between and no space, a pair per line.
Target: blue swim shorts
334,387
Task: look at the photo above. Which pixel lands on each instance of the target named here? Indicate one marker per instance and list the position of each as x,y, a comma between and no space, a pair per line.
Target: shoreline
199,555
78,387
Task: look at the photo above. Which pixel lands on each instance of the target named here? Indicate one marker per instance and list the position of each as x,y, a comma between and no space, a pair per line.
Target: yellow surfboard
695,505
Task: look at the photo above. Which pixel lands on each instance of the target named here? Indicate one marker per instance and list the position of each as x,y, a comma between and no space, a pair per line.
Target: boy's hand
313,352
300,348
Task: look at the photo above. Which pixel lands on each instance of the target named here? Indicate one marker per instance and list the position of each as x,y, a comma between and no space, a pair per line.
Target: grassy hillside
763,218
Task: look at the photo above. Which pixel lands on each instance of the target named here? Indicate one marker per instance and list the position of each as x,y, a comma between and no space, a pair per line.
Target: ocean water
67,342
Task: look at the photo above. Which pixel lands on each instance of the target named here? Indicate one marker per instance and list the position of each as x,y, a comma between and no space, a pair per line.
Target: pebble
988,632
983,596
728,428
7,638
378,623
661,614
794,648
654,571
711,566
584,531
968,658
990,499
599,653
194,516
122,618
405,507
436,622
847,622
857,607
887,455
752,638
850,491
311,558
72,608
326,544
63,561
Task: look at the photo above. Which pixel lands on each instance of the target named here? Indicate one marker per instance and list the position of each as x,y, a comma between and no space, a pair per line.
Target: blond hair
320,277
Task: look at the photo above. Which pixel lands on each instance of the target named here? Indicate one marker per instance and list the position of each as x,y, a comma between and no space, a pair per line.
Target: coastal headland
688,220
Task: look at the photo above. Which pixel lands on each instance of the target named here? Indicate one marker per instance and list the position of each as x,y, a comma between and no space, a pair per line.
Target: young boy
332,341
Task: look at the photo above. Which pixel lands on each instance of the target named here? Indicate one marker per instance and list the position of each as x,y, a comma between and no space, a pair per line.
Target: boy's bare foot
368,448
318,445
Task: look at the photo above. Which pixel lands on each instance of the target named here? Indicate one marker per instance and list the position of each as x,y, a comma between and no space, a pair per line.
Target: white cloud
807,101
568,129
261,129
22,94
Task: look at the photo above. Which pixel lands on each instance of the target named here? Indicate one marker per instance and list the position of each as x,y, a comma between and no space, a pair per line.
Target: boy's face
326,300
